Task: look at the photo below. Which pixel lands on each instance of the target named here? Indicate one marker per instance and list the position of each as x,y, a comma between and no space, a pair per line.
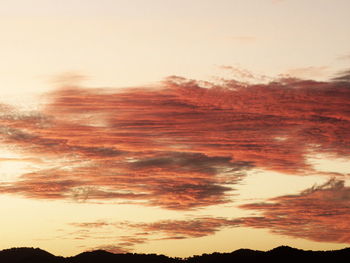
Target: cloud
154,231
308,72
97,224
177,145
320,213
111,248
343,77
344,57
105,230
170,180
129,241
180,229
244,75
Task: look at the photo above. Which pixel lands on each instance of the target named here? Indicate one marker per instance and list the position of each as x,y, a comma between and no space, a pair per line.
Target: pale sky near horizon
171,166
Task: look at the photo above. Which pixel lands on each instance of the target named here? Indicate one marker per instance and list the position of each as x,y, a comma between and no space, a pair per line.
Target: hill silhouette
25,254
279,254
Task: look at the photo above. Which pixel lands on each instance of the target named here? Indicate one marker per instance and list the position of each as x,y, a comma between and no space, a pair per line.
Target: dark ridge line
278,254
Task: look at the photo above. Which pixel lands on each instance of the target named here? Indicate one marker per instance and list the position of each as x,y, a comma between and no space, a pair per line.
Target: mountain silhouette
278,254
25,254
102,256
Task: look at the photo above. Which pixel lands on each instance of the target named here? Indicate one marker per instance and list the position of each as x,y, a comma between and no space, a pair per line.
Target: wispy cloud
153,231
343,77
116,249
244,75
319,213
344,57
178,229
308,72
178,145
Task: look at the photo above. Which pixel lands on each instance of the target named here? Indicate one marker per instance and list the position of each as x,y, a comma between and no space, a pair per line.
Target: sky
174,127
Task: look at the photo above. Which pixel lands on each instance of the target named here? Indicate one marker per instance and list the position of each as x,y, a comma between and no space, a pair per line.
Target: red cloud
319,214
179,145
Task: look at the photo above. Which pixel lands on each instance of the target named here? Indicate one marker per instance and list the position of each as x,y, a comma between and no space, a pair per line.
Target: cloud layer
320,213
181,145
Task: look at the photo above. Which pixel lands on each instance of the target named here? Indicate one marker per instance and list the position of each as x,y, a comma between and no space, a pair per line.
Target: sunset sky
174,127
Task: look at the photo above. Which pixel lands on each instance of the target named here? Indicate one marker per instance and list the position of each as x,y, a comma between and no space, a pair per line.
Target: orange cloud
160,230
180,229
177,146
90,224
116,249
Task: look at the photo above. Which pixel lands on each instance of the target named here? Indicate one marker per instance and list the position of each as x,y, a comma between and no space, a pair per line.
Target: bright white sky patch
330,163
262,184
13,165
